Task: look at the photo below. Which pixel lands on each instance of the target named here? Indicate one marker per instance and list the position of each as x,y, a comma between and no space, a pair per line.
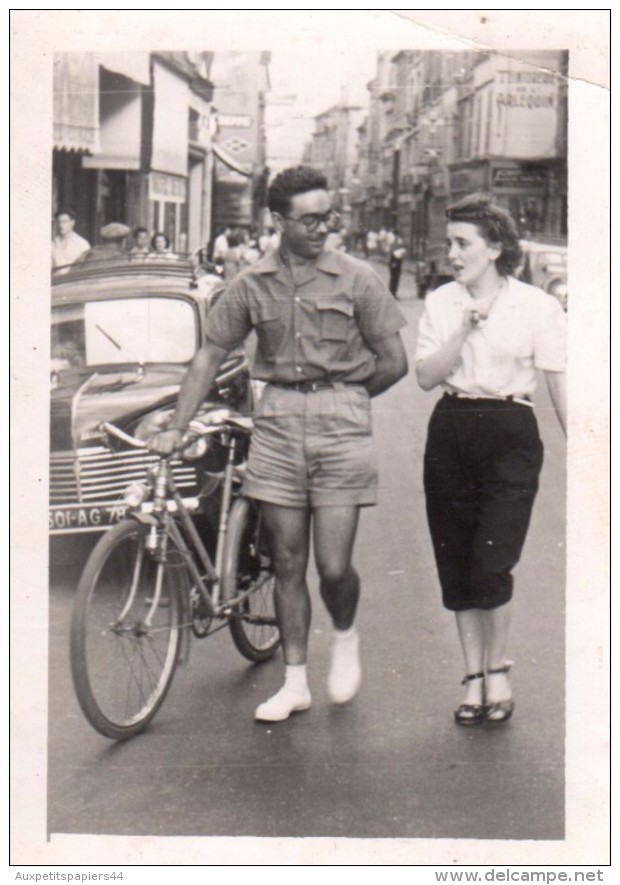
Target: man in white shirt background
67,246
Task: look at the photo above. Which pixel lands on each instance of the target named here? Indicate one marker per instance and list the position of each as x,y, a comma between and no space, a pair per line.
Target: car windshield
123,330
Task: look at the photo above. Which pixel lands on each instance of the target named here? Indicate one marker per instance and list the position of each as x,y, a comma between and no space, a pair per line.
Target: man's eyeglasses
331,220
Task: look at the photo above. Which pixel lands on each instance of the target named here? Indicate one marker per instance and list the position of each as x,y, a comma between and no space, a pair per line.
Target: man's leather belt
314,386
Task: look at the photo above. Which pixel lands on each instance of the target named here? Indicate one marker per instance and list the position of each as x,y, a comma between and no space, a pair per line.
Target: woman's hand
166,441
472,317
438,366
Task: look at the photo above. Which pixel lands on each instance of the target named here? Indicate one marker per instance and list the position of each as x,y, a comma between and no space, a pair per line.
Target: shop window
169,226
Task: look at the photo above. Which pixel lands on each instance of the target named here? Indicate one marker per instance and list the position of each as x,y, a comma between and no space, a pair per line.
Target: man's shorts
313,449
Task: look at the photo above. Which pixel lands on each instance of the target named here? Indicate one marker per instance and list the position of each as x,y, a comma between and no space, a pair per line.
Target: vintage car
123,333
545,265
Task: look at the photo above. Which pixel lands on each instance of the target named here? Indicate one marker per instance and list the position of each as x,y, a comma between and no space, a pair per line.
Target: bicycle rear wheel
123,650
248,567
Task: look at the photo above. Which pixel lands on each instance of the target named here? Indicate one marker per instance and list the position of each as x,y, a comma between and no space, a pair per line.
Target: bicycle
150,580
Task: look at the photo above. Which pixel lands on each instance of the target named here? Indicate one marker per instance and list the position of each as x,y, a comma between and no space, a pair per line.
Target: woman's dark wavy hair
160,233
289,183
494,223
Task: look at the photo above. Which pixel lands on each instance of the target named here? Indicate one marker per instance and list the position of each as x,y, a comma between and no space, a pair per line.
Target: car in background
122,335
546,265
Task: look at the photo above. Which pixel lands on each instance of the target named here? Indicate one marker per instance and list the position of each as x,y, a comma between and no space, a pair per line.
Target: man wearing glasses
328,341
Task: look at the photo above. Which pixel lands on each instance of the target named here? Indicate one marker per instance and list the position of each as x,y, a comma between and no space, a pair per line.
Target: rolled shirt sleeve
550,336
378,315
229,322
429,337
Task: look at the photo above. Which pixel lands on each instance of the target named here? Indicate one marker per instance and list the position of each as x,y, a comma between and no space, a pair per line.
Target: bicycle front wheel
248,567
125,635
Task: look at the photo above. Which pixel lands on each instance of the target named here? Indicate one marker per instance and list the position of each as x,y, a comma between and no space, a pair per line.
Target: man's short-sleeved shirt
67,250
321,326
525,331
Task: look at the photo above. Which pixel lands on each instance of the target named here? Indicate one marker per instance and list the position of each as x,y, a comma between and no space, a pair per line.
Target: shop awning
228,160
134,65
76,102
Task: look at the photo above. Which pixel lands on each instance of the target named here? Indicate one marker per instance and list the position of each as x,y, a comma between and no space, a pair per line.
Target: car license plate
84,518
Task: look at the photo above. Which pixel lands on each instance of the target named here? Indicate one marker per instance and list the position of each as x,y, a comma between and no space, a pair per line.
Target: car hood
82,400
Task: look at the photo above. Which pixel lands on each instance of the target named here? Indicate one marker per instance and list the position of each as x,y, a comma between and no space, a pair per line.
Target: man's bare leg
334,535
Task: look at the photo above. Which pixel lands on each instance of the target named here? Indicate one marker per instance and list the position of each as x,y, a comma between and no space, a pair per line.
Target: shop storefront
533,192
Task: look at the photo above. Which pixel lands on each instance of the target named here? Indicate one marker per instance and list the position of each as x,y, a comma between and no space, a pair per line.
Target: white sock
349,633
295,678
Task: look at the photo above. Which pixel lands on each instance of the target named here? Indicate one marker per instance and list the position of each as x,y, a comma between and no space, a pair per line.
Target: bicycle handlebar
219,420
112,430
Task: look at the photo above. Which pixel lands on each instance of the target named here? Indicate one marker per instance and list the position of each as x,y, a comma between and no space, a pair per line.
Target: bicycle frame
158,513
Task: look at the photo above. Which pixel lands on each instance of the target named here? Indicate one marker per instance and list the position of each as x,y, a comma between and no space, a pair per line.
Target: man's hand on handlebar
166,441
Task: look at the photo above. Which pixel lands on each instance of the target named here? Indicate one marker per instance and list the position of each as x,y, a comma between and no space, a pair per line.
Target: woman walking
482,338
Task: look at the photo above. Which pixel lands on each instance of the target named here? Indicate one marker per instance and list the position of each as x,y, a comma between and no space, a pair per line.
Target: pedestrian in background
220,245
160,246
113,239
140,246
232,258
328,340
397,254
67,245
371,243
482,338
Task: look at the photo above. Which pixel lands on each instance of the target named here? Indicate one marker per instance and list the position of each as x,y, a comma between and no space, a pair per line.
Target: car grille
104,475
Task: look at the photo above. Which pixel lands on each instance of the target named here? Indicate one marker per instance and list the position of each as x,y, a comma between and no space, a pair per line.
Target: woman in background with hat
482,338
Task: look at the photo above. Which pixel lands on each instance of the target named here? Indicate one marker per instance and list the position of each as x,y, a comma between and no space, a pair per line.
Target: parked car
123,333
545,265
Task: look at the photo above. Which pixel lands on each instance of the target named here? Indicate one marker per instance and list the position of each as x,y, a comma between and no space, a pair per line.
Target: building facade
137,140
333,149
239,143
444,124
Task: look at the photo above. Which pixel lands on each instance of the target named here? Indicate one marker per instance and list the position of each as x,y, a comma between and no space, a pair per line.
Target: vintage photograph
307,480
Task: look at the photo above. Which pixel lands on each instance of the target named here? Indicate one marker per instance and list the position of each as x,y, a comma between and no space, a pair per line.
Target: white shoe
281,705
345,674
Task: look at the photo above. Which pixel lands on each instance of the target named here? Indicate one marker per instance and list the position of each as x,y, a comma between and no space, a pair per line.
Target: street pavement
390,764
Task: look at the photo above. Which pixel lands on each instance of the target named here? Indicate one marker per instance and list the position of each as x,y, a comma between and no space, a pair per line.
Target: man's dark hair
139,230
66,210
289,183
494,223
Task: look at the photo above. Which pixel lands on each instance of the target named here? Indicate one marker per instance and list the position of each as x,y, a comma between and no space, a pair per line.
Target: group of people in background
68,247
237,248
232,250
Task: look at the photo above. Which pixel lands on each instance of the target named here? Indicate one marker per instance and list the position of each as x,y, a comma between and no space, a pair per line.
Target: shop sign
234,121
526,89
518,176
169,188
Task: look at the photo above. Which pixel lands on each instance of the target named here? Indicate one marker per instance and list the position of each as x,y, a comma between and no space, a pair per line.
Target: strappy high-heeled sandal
470,714
499,711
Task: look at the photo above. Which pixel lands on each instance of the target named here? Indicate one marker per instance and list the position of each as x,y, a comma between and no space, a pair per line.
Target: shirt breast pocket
335,320
269,330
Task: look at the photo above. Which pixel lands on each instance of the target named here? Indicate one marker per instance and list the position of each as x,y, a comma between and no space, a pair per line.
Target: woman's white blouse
525,331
